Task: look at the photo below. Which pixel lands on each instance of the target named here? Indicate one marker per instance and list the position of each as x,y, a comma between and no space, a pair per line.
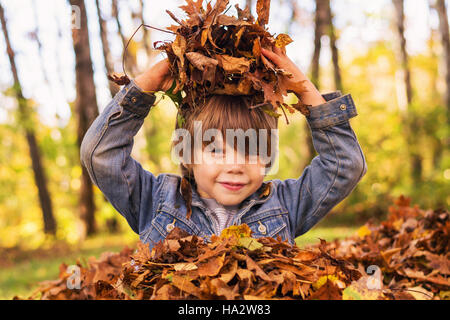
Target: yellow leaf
242,230
238,36
204,37
249,243
359,290
398,224
323,279
282,40
266,191
363,231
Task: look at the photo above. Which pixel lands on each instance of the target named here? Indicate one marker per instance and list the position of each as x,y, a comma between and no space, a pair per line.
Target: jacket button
170,226
262,228
133,99
343,107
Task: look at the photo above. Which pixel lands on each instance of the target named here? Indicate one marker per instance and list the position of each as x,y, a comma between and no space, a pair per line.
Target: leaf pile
235,266
411,249
215,53
232,266
96,281
404,257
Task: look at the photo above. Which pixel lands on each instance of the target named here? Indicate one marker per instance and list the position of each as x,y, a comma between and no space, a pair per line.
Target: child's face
215,170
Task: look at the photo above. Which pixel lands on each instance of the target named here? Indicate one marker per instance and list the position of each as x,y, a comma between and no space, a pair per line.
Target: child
211,196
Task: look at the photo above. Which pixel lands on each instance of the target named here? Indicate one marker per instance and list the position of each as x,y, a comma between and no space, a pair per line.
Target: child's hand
282,61
157,78
298,81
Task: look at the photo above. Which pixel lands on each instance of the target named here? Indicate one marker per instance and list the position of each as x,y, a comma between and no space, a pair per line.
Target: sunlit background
371,70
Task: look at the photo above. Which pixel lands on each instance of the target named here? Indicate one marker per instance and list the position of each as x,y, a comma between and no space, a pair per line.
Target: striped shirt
222,215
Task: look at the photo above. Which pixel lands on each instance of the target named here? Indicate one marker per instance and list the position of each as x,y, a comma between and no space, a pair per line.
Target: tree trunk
86,109
445,39
58,65
319,31
149,126
403,55
438,144
113,88
319,21
439,6
410,118
295,14
35,35
26,122
146,33
129,60
334,50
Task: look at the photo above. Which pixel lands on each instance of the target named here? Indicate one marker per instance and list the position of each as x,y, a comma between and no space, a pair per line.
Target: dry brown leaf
233,65
263,11
212,267
329,291
200,61
184,283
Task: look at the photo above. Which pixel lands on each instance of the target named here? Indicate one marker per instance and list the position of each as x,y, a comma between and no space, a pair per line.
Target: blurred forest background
393,56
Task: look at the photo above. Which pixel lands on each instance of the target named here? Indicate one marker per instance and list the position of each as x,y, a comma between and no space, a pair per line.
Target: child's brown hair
223,112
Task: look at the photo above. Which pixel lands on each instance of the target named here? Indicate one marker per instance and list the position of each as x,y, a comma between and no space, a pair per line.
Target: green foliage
175,97
381,132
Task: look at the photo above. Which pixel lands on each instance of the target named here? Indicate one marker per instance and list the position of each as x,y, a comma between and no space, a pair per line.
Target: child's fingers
271,55
280,51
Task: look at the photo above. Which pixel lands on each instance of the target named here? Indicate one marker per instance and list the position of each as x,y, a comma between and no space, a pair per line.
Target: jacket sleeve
106,154
331,175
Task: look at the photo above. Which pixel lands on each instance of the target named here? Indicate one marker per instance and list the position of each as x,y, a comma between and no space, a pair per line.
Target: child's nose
234,158
234,168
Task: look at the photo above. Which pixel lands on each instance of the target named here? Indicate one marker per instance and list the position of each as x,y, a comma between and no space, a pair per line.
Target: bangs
222,112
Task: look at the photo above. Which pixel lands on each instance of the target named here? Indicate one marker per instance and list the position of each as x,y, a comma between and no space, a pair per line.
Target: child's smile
232,186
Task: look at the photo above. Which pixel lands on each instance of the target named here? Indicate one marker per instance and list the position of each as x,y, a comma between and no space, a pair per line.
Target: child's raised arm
106,148
340,165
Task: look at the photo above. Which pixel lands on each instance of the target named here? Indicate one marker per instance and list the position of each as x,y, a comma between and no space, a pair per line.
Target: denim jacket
153,205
